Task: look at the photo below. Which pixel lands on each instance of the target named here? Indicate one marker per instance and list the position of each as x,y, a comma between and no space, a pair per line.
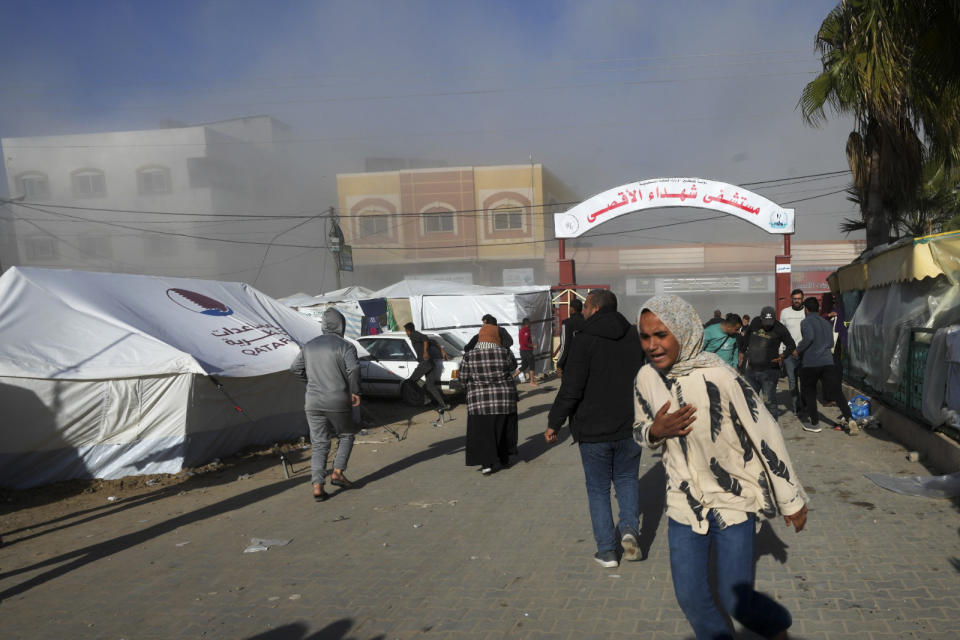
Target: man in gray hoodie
330,367
816,365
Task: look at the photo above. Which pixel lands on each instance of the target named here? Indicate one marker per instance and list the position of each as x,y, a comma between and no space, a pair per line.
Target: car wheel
411,394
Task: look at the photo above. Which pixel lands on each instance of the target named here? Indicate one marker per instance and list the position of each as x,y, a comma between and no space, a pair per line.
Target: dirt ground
23,510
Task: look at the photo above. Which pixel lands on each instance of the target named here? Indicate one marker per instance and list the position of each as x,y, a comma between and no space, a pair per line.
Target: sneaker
607,559
853,427
838,428
812,428
486,471
631,549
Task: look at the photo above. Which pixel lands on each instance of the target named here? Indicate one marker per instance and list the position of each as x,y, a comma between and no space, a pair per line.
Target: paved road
429,548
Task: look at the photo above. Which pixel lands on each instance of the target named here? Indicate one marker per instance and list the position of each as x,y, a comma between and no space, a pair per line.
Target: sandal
320,496
341,482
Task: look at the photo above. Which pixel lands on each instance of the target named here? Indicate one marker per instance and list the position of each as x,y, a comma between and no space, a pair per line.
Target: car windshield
452,350
455,340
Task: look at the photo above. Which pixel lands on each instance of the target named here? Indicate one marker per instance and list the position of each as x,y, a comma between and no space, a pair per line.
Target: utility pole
335,242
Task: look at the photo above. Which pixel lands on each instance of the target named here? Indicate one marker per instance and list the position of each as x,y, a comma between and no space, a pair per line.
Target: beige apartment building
476,225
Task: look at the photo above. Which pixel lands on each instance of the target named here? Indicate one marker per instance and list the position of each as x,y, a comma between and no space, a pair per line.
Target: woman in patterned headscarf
726,462
487,373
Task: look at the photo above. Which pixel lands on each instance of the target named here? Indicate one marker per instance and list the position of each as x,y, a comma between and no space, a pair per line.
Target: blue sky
600,92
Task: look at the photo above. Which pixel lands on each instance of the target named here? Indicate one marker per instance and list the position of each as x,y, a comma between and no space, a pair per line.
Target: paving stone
512,558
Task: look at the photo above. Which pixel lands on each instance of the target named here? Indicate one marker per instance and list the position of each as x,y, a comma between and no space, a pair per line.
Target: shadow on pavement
534,411
535,446
653,500
768,543
434,450
298,631
81,557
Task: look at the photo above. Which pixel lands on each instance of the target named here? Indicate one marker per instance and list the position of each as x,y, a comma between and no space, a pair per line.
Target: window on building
438,222
33,186
507,219
42,248
153,180
94,246
374,225
89,183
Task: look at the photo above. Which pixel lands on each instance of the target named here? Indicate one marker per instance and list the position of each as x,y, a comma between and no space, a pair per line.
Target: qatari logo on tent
198,302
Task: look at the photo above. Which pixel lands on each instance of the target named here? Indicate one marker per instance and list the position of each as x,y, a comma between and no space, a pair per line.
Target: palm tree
934,206
891,65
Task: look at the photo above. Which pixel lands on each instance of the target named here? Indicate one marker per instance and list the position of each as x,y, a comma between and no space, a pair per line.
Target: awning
924,257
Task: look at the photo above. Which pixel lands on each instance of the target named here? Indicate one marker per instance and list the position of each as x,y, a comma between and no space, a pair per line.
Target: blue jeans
617,462
733,549
765,381
792,366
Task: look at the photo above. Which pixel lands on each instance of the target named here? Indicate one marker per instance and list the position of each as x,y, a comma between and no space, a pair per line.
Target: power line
433,94
394,73
300,246
813,177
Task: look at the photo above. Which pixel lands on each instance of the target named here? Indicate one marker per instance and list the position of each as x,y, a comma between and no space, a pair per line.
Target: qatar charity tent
450,307
105,375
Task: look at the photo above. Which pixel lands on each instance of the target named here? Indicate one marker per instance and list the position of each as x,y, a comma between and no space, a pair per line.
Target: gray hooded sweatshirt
329,365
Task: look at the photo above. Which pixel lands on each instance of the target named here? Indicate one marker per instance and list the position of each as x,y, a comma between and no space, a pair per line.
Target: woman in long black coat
487,372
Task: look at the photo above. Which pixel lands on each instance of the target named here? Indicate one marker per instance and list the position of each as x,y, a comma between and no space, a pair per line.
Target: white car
390,359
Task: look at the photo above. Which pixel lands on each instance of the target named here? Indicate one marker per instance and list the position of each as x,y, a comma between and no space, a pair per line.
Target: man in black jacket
597,396
570,327
763,339
505,340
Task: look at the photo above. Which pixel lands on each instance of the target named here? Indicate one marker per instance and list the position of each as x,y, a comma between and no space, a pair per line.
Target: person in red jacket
526,352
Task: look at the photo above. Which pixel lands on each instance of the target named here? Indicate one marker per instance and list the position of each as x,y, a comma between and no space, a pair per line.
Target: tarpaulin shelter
356,303
894,294
450,307
105,375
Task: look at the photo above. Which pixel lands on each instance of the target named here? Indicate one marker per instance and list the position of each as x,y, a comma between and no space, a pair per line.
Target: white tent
457,308
346,301
105,375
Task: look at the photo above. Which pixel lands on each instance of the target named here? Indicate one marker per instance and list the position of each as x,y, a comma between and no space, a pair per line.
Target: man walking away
724,340
527,361
817,365
505,340
791,317
430,358
596,394
568,329
763,339
329,365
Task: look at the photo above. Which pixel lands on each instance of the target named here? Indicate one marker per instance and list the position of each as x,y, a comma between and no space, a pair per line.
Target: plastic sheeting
461,315
941,379
946,486
879,336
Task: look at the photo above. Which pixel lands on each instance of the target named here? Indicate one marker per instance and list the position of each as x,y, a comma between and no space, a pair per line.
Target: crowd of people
805,345
702,395
653,385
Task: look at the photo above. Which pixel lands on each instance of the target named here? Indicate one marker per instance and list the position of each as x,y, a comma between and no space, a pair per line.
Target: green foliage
894,65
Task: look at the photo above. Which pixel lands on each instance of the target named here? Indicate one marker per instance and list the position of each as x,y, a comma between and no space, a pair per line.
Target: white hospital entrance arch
659,193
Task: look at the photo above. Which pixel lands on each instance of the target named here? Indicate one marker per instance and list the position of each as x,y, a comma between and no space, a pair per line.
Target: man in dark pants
763,339
597,396
430,358
570,327
817,365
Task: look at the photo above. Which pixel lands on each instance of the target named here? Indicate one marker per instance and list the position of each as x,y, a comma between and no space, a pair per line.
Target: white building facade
82,201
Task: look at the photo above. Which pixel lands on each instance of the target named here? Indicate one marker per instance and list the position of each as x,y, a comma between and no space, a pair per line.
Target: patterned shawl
683,322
